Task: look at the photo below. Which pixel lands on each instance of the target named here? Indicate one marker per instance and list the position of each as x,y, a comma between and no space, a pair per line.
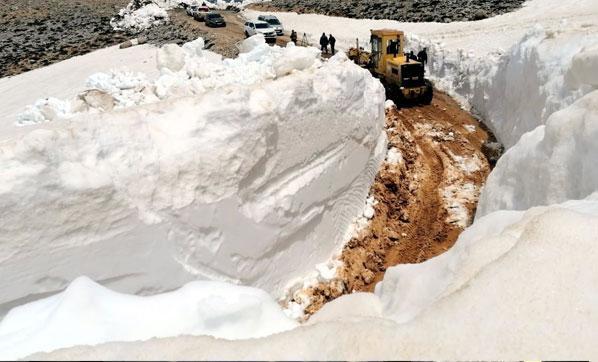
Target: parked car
273,22
214,20
198,12
191,9
261,27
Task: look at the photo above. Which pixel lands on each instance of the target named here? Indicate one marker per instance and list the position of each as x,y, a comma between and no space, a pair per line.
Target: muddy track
423,201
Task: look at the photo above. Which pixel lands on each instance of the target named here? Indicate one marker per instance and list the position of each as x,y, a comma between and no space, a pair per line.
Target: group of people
325,41
422,56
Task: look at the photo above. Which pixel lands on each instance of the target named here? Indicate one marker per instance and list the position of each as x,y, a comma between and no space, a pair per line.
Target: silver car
273,22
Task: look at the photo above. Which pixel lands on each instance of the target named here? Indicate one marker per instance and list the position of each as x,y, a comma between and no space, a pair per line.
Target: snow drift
209,179
512,286
87,314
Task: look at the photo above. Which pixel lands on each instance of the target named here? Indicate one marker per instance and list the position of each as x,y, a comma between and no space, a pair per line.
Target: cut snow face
199,173
553,163
422,198
87,314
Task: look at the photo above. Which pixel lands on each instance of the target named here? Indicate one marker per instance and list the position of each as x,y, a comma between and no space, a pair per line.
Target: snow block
225,170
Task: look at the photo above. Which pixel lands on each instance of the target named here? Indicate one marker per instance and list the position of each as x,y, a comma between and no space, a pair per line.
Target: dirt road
220,40
426,193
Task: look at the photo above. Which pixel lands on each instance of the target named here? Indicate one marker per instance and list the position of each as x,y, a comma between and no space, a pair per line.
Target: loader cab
387,45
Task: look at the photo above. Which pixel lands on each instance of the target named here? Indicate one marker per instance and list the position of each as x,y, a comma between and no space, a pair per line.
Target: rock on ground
410,10
37,33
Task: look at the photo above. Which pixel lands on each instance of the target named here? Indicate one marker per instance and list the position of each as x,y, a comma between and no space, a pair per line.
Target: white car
274,23
260,27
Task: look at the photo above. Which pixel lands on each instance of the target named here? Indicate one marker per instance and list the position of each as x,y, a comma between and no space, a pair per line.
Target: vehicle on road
402,77
260,27
273,22
191,10
214,20
197,12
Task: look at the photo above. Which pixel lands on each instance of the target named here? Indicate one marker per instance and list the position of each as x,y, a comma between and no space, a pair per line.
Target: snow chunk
87,313
171,57
184,71
470,128
584,66
136,20
394,156
456,198
362,221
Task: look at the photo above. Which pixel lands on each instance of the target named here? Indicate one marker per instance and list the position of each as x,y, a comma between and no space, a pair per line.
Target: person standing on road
294,37
324,43
332,41
422,56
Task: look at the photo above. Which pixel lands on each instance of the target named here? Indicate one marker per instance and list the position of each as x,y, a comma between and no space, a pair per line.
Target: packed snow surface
87,314
199,173
515,284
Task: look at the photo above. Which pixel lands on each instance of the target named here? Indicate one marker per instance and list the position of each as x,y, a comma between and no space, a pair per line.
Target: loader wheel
428,94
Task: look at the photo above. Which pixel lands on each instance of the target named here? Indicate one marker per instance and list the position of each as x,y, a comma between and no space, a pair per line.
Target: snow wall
553,163
515,284
516,90
203,174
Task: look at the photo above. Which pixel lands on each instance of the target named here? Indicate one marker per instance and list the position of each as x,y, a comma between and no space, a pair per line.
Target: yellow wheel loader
402,77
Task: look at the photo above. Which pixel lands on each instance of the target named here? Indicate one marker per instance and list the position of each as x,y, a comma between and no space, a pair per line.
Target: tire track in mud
423,201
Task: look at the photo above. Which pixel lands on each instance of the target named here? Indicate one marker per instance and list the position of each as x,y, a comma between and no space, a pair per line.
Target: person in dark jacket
324,43
332,41
412,55
294,37
422,56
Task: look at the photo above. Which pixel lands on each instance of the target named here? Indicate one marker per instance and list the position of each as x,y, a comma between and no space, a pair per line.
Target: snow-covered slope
517,285
512,69
208,176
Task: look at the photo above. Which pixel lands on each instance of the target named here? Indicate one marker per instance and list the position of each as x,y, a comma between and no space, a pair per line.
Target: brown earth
441,172
37,33
220,40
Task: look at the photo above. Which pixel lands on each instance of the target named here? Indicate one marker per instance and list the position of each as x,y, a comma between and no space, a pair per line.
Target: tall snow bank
212,181
503,292
551,164
88,314
524,284
516,90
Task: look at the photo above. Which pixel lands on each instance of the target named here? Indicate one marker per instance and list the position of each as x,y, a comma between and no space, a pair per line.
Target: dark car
214,20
